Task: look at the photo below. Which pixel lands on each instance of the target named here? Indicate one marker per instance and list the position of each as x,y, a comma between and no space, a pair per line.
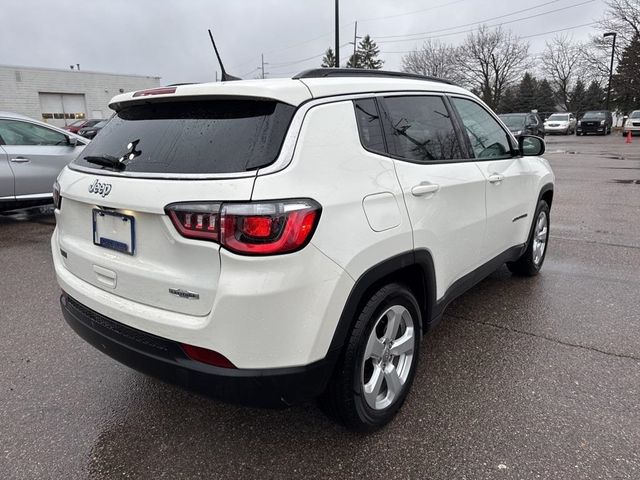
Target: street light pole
337,35
613,51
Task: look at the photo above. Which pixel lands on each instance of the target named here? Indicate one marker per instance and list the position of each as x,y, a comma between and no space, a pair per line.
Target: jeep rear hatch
113,230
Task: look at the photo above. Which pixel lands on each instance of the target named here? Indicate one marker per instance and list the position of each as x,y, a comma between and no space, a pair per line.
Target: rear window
215,136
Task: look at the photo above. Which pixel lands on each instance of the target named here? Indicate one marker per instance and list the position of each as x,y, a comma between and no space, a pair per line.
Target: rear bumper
165,359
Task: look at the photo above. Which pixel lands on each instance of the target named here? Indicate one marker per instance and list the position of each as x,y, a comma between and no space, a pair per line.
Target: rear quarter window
207,136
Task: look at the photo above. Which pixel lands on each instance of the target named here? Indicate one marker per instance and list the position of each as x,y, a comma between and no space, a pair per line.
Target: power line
560,30
371,19
472,23
302,60
490,26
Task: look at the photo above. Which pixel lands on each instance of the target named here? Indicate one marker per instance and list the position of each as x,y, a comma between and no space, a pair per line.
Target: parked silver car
32,154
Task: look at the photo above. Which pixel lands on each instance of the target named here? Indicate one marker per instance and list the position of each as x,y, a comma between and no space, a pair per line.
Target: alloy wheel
388,357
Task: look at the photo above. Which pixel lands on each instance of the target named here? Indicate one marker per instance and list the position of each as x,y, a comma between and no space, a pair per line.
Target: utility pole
337,35
261,67
613,51
355,43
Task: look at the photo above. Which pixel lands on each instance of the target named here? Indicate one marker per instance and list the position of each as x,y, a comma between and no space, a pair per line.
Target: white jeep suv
272,241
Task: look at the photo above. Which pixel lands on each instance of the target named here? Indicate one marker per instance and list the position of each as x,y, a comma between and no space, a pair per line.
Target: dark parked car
523,123
90,132
79,124
595,121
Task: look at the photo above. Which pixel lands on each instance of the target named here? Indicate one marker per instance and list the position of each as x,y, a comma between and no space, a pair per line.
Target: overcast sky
169,38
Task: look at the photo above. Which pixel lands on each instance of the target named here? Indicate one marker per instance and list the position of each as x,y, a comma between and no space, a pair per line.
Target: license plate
114,231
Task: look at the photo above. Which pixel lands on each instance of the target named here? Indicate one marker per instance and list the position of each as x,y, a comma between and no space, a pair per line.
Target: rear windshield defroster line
199,137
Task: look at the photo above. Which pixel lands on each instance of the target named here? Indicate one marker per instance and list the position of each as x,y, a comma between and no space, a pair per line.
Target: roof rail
363,72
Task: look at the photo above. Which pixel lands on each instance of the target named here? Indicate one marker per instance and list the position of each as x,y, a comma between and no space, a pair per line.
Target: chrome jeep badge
99,188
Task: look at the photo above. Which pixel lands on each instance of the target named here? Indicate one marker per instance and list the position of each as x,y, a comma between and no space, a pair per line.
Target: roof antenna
225,76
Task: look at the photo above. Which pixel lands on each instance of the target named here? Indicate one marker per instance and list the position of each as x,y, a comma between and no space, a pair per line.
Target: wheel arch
414,269
546,194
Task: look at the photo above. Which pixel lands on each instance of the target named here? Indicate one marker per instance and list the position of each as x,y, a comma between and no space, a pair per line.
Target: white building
61,97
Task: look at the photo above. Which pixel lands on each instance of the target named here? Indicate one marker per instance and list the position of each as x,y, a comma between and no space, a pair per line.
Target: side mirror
531,146
72,141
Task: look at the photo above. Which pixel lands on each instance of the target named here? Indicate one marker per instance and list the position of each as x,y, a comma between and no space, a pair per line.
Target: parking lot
525,378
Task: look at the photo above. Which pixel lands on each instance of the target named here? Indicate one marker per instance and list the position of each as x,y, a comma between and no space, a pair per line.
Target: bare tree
622,17
563,63
491,60
434,59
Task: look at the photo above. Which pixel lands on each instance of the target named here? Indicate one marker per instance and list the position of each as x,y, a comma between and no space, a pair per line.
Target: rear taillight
256,228
196,220
57,199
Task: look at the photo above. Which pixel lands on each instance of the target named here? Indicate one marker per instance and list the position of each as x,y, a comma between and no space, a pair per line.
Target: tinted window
369,125
216,136
598,115
421,129
15,132
515,122
635,114
487,137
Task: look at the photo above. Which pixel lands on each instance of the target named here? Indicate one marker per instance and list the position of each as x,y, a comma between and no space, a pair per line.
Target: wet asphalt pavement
525,378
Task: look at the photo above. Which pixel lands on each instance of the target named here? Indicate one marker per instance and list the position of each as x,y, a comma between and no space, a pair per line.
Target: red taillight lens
155,91
196,220
260,228
205,355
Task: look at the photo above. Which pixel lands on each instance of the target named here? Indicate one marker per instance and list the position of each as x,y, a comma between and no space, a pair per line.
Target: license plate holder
114,231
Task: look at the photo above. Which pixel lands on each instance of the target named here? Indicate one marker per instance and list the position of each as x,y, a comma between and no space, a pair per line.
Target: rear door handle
424,189
496,178
20,160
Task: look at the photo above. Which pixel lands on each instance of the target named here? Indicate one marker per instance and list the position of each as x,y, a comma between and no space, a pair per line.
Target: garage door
62,108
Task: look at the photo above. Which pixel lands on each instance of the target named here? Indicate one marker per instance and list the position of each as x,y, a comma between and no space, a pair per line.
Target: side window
487,137
15,132
421,129
369,125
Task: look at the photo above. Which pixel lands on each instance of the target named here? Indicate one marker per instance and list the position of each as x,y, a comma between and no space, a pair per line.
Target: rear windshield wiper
106,161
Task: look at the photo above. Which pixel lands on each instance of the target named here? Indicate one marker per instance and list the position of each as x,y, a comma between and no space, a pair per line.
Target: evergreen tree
367,54
509,101
545,97
355,61
625,84
594,97
577,102
329,59
527,93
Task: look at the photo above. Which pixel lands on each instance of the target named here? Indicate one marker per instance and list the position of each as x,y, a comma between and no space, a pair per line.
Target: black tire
344,398
528,265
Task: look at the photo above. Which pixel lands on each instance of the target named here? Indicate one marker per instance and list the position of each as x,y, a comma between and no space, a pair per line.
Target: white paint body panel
331,167
450,222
